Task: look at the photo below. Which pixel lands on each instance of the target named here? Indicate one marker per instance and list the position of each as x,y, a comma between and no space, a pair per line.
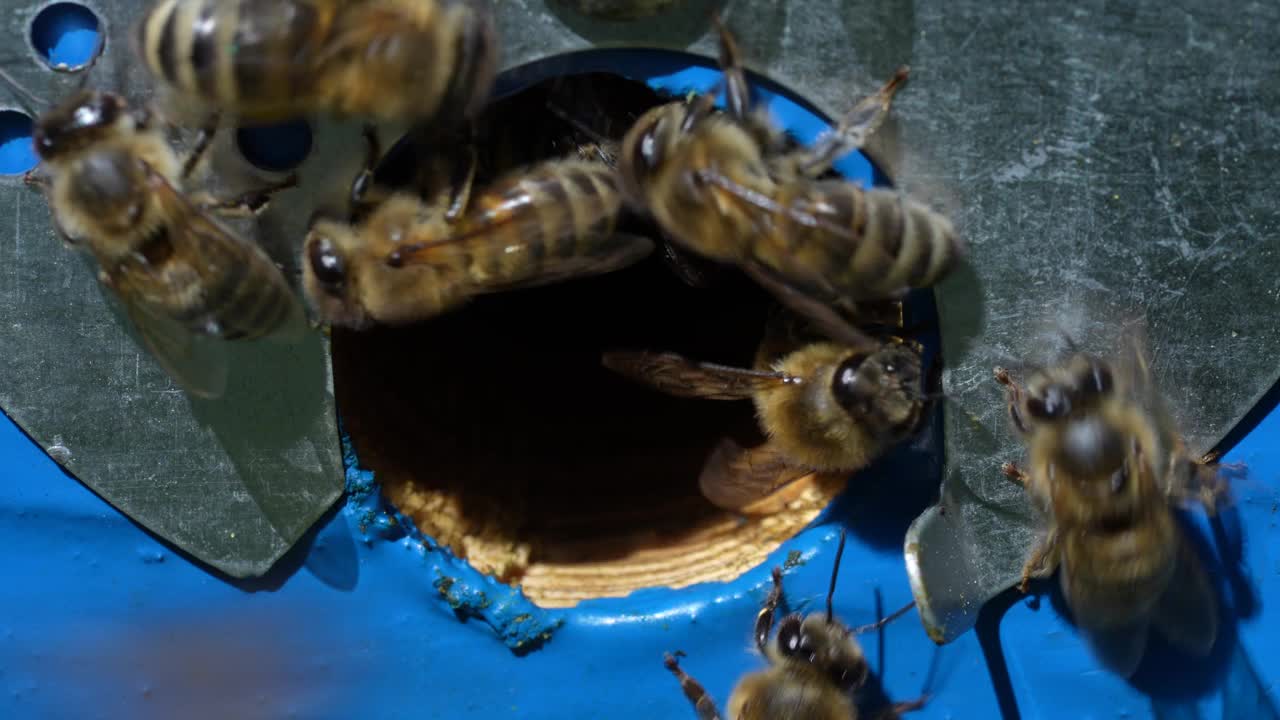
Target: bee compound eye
790,639
327,264
846,383
1099,380
1052,404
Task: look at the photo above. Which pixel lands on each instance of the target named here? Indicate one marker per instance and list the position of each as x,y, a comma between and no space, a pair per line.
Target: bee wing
1134,366
619,251
208,252
734,477
197,363
1187,613
682,377
825,318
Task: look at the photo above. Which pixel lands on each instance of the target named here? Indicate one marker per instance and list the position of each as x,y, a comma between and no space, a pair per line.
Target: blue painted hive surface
101,620
367,618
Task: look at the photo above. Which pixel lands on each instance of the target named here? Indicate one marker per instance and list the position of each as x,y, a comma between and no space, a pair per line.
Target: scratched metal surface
234,482
1109,161
1101,161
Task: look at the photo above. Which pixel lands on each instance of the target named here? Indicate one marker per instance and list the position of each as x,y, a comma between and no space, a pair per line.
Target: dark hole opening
17,154
67,35
497,429
278,147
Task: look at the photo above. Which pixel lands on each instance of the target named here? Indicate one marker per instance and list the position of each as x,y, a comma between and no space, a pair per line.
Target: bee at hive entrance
498,430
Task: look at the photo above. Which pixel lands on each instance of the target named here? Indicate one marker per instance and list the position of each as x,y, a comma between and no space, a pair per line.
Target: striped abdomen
211,281
546,222
864,244
250,299
254,57
1112,575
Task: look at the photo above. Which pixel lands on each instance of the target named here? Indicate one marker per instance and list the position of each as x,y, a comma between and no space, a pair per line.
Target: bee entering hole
497,428
66,35
17,154
278,147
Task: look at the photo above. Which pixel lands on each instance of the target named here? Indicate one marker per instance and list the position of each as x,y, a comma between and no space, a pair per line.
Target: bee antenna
885,621
835,572
29,100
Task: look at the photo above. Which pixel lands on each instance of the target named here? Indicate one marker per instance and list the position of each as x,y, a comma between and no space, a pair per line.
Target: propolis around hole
499,432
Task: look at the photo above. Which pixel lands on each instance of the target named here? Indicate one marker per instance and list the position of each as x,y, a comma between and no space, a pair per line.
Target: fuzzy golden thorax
849,408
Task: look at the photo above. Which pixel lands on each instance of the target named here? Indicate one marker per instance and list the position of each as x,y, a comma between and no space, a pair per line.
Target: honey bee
409,260
719,185
815,666
826,407
268,60
1105,464
114,188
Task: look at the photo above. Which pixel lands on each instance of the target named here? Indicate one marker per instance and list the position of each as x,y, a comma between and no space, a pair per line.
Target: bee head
644,147
882,386
330,277
80,121
1084,381
325,262
824,644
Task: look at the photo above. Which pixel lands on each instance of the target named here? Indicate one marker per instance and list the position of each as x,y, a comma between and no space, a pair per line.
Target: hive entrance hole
498,431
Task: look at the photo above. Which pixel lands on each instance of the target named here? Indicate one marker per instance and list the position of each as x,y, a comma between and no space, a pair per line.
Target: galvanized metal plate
1109,164
234,482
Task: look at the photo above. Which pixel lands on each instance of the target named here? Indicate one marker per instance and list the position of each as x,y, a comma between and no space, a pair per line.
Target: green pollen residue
795,559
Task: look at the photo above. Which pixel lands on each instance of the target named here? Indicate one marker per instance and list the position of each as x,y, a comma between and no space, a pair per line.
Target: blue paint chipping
99,619
17,154
277,148
66,35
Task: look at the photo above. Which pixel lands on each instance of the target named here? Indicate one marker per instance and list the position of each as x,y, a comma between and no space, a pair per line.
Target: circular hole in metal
17,154
66,35
278,147
498,432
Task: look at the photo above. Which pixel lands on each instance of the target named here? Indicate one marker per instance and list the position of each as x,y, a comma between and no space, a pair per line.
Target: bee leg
363,196
1042,561
1014,397
886,313
764,619
737,94
204,137
33,178
247,204
41,182
1015,473
853,129
702,702
465,175
1200,479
